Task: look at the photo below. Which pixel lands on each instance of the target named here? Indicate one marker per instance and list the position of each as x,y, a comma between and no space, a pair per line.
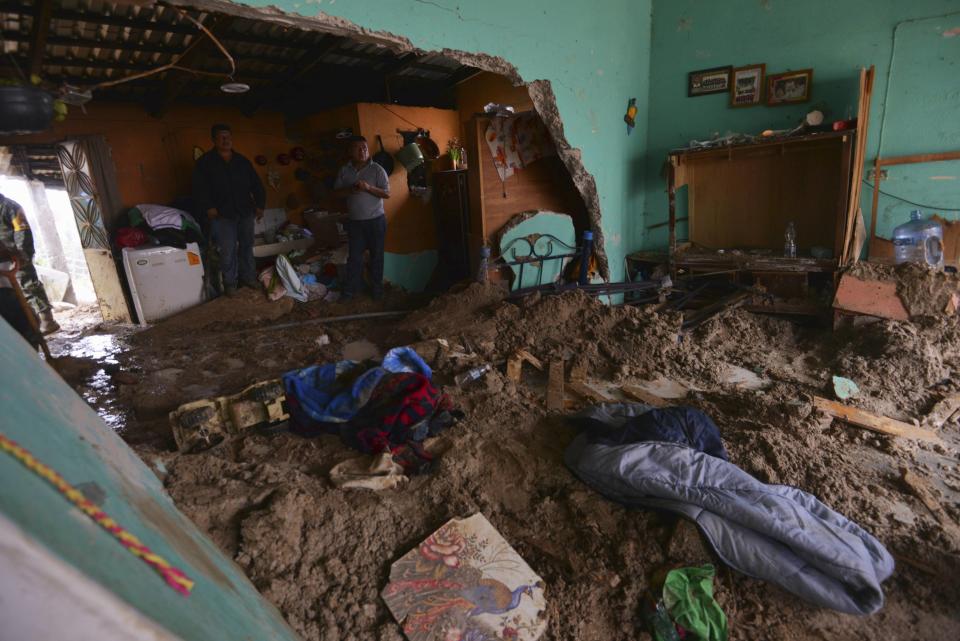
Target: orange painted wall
410,225
154,157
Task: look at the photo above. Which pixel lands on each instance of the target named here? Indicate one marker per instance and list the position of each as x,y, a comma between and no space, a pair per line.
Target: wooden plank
642,395
555,387
871,297
859,157
524,355
943,412
514,366
919,158
922,491
589,392
866,420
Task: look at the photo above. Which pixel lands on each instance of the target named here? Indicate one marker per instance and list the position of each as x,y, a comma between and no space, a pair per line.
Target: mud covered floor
322,554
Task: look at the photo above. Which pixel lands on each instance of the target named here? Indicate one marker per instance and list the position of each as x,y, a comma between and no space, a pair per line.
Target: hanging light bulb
234,87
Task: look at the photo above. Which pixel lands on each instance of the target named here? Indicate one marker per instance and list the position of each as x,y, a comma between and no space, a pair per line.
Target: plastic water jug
919,241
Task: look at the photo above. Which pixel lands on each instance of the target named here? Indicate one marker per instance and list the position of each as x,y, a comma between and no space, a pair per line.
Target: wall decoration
708,81
631,116
77,179
789,88
466,582
747,85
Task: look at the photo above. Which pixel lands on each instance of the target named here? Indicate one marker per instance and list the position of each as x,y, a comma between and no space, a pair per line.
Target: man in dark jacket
229,191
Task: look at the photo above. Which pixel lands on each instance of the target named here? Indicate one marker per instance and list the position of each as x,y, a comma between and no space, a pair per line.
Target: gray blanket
771,532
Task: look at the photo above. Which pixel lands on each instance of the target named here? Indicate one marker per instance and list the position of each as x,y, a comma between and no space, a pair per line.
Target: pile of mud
323,554
925,291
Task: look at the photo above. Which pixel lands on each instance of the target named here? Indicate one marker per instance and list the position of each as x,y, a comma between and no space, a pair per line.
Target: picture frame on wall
708,81
747,85
789,87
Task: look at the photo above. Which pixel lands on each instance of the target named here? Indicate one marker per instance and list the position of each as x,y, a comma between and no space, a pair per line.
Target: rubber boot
48,324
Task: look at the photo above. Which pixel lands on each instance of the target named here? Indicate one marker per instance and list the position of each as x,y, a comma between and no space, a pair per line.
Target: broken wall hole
283,105
540,91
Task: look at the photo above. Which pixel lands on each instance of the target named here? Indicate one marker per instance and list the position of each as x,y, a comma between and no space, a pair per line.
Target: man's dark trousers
365,235
234,239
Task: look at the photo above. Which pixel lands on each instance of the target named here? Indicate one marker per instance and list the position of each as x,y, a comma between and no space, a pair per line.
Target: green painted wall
916,101
596,56
40,412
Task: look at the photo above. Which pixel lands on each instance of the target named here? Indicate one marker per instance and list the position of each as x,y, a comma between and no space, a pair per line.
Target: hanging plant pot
24,110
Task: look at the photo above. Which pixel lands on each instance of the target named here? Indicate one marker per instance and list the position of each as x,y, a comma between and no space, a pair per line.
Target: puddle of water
99,347
98,388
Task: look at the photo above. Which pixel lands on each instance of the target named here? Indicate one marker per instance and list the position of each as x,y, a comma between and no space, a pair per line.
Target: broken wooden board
869,421
922,491
639,394
555,387
871,297
588,392
514,368
943,412
524,355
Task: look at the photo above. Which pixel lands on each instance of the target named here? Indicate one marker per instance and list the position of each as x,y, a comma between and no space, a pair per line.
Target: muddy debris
322,554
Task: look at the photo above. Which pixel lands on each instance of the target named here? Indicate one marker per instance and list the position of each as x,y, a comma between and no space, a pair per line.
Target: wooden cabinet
451,211
742,197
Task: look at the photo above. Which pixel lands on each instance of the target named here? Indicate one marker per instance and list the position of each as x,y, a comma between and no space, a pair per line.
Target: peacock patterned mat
465,583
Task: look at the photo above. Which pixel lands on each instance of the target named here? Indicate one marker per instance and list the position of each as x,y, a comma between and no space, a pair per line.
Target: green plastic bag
688,595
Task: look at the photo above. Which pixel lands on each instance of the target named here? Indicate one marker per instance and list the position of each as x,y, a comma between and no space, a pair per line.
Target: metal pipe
318,321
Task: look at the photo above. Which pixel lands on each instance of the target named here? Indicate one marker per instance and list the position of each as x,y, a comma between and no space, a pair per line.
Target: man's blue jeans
365,235
234,240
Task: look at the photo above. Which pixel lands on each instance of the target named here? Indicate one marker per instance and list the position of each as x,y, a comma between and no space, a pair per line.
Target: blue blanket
773,532
335,392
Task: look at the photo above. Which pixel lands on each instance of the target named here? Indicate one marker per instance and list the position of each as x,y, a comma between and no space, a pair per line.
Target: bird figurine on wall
631,116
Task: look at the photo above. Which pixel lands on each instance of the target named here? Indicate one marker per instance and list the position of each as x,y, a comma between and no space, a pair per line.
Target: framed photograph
746,86
707,81
790,87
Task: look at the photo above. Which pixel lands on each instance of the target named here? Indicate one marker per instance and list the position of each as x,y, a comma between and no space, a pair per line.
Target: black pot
24,110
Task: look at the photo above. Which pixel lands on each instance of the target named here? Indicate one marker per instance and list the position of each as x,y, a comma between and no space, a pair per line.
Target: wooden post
555,387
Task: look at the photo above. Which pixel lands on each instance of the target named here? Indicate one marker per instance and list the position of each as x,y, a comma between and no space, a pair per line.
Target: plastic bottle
919,241
484,265
472,375
659,622
790,241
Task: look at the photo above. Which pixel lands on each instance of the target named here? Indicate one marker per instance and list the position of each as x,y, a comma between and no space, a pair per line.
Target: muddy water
89,363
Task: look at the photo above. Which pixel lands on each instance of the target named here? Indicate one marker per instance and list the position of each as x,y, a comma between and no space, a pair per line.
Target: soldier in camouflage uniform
15,233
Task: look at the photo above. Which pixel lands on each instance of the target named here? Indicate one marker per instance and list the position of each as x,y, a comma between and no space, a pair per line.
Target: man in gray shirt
364,185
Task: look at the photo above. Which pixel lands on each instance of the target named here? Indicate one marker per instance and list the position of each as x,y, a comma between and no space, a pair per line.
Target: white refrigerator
163,280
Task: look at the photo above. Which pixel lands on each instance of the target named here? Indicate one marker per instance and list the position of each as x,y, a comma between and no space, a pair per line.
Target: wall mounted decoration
747,85
708,81
789,88
84,199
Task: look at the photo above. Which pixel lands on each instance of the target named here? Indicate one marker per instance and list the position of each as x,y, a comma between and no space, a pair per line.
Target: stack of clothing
391,407
166,225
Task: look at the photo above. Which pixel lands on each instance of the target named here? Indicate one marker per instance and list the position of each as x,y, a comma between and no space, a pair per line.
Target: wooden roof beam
175,81
308,61
38,34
